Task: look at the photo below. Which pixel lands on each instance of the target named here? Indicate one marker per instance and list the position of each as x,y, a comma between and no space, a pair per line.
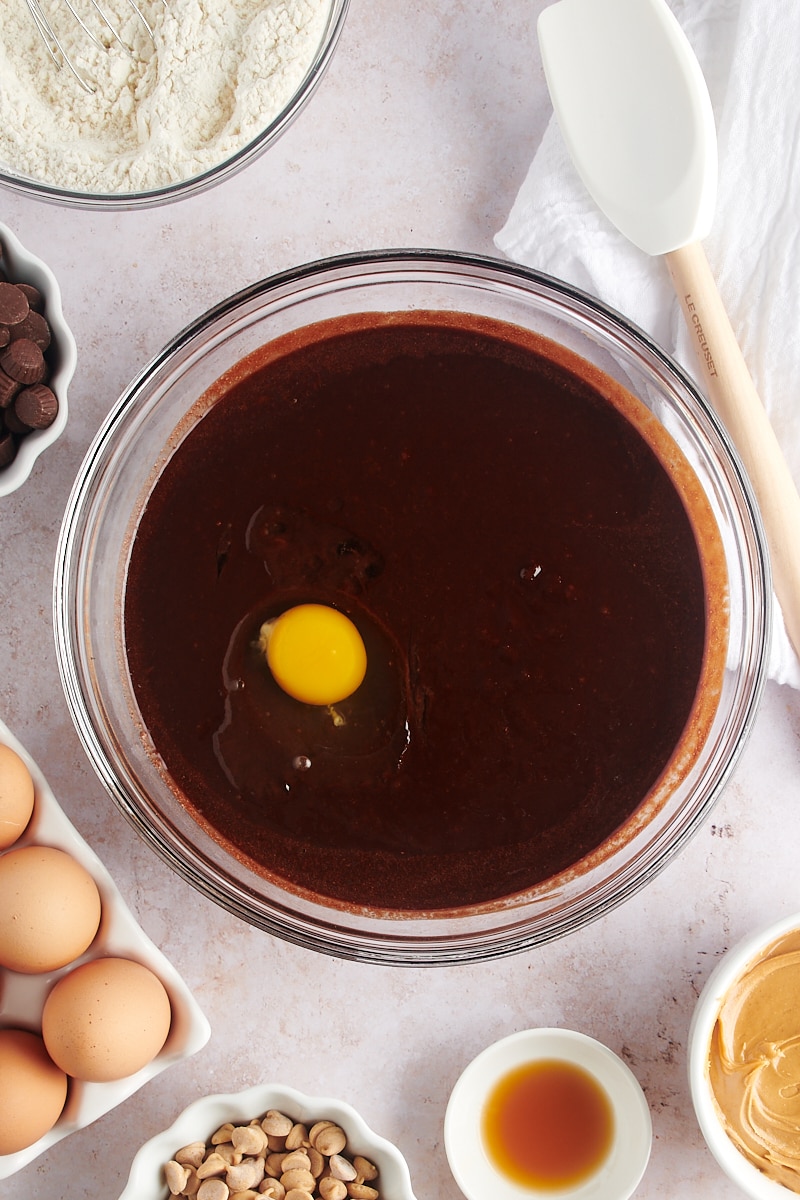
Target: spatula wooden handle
732,393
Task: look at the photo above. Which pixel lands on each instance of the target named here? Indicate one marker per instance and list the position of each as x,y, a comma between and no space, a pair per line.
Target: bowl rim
404,947
209,1112
469,1163
29,268
197,184
727,971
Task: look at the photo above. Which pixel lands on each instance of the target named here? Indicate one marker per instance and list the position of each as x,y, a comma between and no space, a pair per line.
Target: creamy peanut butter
754,1062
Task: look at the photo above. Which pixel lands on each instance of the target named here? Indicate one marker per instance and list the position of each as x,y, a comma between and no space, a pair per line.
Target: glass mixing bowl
45,189
137,438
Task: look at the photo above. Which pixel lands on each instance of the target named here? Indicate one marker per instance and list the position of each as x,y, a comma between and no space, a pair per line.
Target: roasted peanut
297,1137
246,1175
332,1189
367,1170
361,1191
213,1189
192,1185
297,1158
275,1123
176,1176
273,1189
223,1134
316,1162
229,1152
214,1164
341,1168
191,1155
298,1179
274,1164
329,1140
249,1139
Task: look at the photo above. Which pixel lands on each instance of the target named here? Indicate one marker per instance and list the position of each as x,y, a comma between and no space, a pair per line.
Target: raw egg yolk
315,653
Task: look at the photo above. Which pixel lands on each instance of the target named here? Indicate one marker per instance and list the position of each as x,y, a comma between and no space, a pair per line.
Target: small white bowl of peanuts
269,1141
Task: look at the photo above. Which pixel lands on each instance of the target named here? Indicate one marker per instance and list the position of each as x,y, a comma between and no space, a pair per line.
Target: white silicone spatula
635,113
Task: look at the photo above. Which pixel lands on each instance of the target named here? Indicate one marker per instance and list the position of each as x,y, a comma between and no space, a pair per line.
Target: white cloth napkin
748,51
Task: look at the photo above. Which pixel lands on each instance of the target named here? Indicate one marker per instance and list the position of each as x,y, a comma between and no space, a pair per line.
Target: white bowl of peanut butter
744,1062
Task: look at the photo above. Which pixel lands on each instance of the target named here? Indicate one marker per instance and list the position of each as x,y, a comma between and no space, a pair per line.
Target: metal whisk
55,47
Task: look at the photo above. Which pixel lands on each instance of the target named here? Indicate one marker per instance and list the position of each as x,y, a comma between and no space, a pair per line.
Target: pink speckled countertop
419,135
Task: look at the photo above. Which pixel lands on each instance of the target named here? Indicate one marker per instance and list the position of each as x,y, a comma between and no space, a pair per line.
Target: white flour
220,71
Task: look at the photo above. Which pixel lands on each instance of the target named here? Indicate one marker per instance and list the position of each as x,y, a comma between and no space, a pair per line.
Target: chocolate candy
13,423
14,306
33,326
33,295
36,406
23,360
8,448
8,389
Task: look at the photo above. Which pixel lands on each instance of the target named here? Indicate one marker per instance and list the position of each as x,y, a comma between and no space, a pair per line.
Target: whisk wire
55,47
114,33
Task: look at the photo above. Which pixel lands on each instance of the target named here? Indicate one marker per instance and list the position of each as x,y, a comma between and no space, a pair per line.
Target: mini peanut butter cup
14,424
23,360
34,327
8,389
37,406
14,306
8,449
33,296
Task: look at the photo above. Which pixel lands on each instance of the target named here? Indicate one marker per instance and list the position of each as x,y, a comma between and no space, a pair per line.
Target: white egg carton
22,996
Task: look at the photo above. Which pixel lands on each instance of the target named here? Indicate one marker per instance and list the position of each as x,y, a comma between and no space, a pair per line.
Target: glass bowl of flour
190,95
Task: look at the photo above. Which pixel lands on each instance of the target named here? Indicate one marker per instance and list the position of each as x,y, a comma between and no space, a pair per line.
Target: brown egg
16,796
32,1090
106,1019
49,909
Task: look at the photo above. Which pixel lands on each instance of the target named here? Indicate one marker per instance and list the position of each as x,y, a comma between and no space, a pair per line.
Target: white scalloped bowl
22,997
24,267
199,1121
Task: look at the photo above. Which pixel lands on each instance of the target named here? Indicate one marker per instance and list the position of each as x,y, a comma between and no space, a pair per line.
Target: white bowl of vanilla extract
548,1112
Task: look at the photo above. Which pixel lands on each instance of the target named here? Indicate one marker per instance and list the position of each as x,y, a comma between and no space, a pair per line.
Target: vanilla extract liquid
548,1125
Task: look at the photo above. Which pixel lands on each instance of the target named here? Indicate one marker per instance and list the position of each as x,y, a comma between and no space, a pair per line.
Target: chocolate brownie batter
518,561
